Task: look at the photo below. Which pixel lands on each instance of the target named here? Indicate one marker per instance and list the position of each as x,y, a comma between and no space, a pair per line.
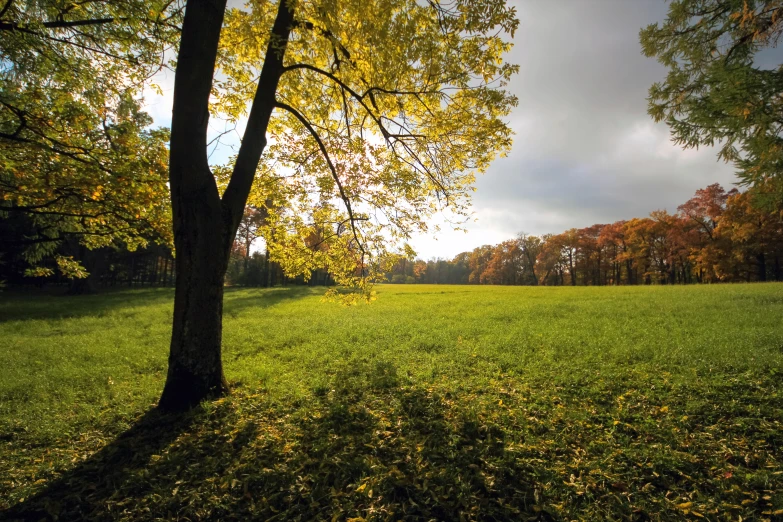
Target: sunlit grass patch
432,403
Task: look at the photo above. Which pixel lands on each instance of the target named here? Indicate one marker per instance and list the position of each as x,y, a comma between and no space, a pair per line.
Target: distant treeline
716,236
256,270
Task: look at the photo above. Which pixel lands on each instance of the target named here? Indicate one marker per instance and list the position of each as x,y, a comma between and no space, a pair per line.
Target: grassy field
432,403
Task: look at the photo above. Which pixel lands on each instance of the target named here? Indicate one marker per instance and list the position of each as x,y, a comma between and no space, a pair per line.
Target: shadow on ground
366,445
107,474
27,304
23,305
236,300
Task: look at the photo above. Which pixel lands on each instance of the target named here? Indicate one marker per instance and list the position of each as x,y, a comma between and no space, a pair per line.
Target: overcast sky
585,150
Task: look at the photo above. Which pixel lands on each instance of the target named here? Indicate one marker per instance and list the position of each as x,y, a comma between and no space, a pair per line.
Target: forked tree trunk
205,224
195,368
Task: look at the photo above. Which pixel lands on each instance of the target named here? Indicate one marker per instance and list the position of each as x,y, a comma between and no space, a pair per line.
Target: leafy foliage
386,111
78,156
715,91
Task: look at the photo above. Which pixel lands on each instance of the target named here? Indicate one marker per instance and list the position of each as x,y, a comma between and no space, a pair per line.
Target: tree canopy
77,154
718,91
384,112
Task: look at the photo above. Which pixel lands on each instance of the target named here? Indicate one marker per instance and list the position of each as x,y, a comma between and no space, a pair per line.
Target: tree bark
268,269
247,257
571,267
761,260
532,263
195,368
204,224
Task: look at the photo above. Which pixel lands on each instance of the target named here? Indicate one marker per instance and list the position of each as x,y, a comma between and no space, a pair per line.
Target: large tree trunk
532,263
571,268
247,259
268,269
204,224
195,367
761,260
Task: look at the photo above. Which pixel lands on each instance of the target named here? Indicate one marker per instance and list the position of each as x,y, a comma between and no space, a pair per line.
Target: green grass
434,402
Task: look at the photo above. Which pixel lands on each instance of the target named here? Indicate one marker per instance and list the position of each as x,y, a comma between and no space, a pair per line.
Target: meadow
431,403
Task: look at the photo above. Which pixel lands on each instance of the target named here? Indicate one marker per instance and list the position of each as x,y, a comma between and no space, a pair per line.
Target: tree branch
254,139
360,98
67,42
343,85
332,170
11,26
336,45
6,7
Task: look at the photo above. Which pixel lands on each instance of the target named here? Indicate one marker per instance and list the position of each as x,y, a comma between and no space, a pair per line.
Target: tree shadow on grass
237,299
18,305
367,445
113,471
22,306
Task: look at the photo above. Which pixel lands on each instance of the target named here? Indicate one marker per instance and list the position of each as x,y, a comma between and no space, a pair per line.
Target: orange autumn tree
715,236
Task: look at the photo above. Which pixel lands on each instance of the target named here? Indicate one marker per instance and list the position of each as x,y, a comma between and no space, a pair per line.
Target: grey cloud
585,150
